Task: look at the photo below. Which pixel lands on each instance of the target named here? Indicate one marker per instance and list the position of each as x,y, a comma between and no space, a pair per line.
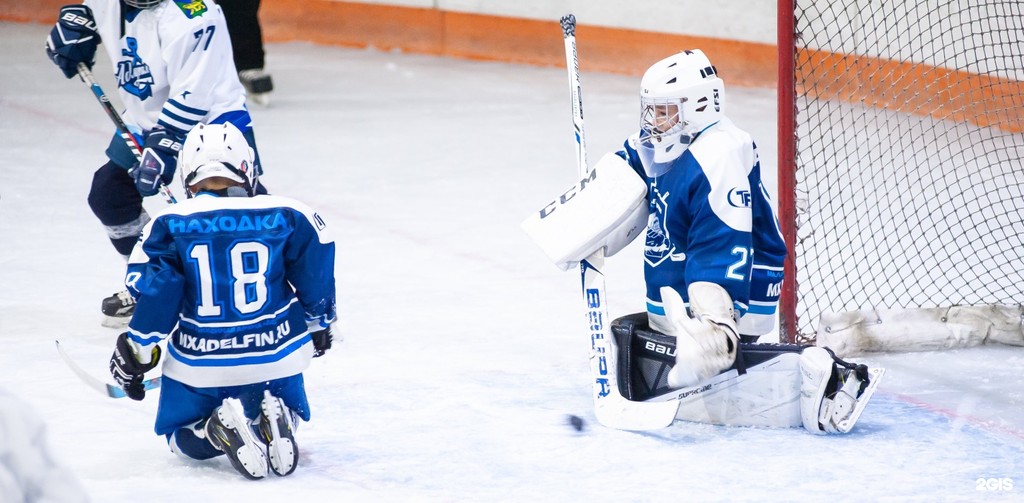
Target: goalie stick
86,75
111,390
611,408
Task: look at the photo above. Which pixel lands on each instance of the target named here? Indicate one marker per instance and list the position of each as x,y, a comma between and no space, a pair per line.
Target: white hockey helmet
216,150
143,4
680,96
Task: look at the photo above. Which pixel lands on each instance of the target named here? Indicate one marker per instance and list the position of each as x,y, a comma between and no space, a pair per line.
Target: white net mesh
910,155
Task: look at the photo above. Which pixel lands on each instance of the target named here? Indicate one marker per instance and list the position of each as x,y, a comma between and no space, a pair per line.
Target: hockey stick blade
110,390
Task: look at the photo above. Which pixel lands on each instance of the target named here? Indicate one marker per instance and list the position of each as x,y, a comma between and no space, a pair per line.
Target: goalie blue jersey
711,220
237,283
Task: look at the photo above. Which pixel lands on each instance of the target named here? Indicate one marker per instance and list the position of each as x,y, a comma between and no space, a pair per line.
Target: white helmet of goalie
216,150
680,96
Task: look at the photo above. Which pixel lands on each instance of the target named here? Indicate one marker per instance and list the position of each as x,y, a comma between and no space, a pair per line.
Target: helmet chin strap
681,141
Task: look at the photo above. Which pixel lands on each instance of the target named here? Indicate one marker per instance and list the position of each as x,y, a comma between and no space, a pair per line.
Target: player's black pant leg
114,199
246,35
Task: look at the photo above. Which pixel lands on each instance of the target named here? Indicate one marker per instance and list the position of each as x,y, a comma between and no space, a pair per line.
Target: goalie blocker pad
606,210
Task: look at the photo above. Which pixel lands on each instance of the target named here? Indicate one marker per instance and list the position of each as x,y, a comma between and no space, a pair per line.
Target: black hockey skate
228,431
118,309
258,85
833,391
276,430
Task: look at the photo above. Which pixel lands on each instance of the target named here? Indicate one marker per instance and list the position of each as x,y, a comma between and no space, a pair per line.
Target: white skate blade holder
846,424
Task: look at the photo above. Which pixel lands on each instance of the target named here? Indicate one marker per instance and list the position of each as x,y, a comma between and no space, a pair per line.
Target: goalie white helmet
680,96
143,4
216,150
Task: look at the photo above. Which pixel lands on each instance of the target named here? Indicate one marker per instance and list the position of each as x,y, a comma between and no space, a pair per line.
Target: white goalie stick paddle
111,390
611,408
86,75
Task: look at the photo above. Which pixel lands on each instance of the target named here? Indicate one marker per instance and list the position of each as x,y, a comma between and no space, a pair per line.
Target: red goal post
901,172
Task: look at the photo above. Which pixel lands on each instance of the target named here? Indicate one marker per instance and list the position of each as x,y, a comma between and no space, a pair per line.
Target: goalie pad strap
605,210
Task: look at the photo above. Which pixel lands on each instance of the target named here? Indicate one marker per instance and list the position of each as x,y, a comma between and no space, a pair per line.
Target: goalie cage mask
680,96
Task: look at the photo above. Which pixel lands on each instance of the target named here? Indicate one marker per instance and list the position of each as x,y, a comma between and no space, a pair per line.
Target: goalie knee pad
833,393
646,355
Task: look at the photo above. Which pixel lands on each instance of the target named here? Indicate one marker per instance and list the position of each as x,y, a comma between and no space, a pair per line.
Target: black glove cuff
125,357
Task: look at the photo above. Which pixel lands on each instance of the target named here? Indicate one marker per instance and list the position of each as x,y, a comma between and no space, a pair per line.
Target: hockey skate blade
115,322
261,99
846,425
622,414
281,450
282,456
248,458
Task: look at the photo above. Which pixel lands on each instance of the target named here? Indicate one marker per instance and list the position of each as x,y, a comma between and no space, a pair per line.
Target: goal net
901,170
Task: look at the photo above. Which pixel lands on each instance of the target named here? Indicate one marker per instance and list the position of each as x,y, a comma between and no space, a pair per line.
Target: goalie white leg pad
767,396
833,393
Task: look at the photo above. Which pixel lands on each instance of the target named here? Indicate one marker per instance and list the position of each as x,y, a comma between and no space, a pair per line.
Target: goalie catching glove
705,344
127,370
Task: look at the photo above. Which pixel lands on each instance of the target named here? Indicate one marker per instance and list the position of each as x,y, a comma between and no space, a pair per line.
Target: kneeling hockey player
713,267
243,286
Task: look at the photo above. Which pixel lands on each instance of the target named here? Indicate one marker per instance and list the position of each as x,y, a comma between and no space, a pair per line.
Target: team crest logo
133,74
739,198
192,8
658,245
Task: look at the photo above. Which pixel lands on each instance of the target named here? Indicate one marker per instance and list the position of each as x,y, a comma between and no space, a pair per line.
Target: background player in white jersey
242,286
173,66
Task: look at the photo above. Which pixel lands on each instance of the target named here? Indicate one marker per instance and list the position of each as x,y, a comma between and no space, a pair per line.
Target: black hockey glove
322,342
159,158
73,40
127,371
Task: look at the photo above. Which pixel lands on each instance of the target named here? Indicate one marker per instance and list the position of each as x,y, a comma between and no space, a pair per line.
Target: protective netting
910,155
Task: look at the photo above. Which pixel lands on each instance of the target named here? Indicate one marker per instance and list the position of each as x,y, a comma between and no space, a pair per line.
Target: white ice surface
464,349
